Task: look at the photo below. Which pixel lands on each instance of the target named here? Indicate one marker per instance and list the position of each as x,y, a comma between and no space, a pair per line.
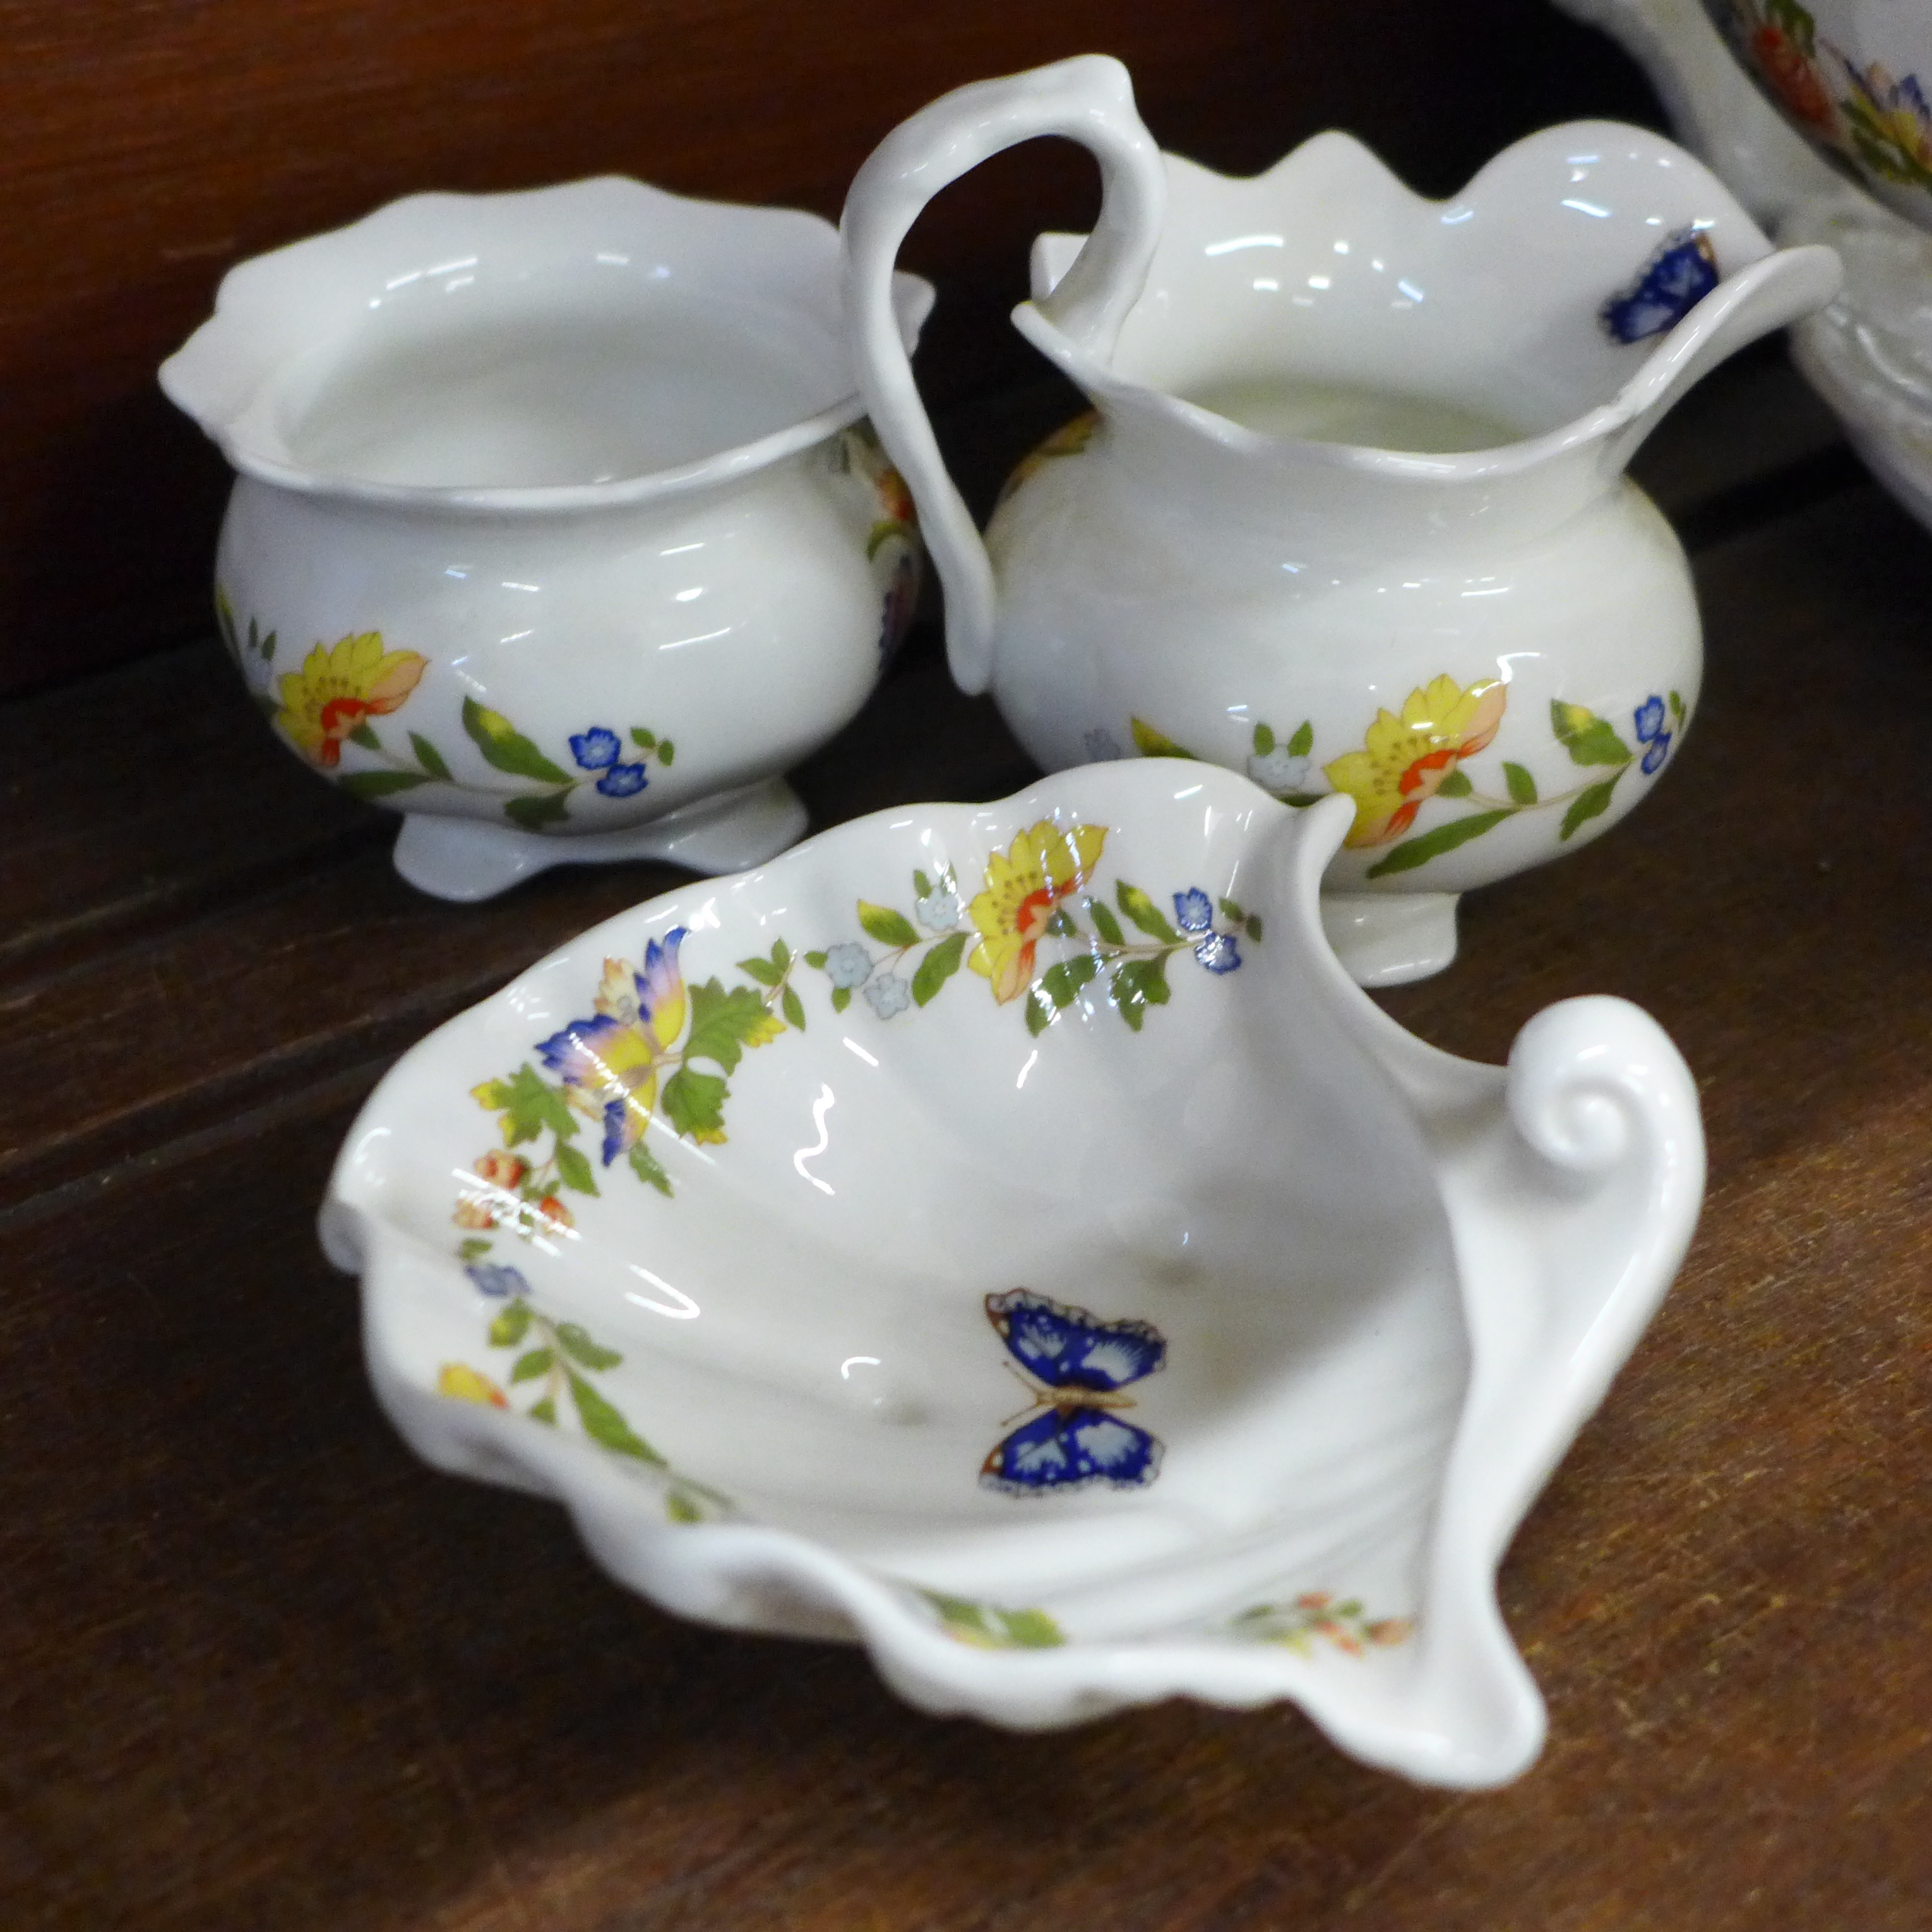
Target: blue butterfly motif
1083,1364
1681,273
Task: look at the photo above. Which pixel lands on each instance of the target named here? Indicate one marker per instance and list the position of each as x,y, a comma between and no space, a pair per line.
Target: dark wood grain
264,1670
147,145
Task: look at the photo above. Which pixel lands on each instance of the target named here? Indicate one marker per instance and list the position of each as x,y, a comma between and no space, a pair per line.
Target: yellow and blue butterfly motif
1675,279
1082,1364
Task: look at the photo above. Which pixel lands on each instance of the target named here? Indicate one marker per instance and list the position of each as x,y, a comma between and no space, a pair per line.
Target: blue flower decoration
596,749
493,1279
623,781
1194,910
1648,719
1218,952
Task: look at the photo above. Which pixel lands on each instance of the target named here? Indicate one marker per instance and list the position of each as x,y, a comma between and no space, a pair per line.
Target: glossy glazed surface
950,1237
1480,633
556,514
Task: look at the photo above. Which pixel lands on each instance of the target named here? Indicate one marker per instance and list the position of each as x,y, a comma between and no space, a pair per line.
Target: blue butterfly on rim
1675,279
1082,1364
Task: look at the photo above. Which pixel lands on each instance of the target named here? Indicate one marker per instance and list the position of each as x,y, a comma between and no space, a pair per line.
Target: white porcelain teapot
1350,514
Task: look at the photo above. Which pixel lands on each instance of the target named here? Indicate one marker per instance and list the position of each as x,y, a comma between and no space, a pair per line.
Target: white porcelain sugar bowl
1350,512
558,527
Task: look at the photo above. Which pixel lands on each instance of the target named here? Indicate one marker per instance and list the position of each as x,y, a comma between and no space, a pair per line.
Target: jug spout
1089,99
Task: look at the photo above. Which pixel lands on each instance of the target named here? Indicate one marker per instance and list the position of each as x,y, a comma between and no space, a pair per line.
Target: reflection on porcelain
1350,515
1868,352
556,513
953,1237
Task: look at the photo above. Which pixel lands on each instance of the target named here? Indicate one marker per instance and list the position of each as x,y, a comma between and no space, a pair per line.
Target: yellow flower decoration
464,1384
1406,760
1042,866
336,688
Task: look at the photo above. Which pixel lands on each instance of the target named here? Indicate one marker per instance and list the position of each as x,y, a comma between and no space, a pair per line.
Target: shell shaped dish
1004,1236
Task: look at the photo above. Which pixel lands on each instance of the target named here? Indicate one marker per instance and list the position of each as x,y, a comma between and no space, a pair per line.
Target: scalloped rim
1772,288
275,307
1594,1093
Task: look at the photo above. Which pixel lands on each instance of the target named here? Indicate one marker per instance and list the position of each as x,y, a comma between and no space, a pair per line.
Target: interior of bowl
1139,1327
1323,300
566,337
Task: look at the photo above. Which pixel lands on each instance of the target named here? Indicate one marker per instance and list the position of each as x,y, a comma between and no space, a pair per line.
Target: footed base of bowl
471,859
1387,939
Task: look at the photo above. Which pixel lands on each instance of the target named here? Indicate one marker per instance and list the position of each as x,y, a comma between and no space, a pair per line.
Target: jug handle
1089,100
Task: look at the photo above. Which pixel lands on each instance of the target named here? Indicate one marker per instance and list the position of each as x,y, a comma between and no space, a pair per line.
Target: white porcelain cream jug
557,528
1350,514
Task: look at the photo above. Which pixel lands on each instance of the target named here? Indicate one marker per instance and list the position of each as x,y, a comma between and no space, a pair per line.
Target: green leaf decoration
506,747
532,1106
694,1104
921,885
369,785
1587,739
1522,786
1038,1012
681,1506
762,971
781,954
666,752
939,965
511,1326
536,810
254,636
888,927
429,757
1455,785
224,616
545,1411
1029,1629
724,1023
604,1423
1059,923
1152,744
1062,983
1138,985
1104,923
1302,743
1264,740
842,998
1231,910
364,735
1252,925
1677,706
794,1008
474,1247
1795,23
537,1362
816,961
267,648
582,1350
573,1170
1439,839
645,741
1588,804
271,708
645,1166
1145,913
983,1626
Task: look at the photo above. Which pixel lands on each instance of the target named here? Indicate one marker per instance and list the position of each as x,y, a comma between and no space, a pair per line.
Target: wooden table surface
259,1668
